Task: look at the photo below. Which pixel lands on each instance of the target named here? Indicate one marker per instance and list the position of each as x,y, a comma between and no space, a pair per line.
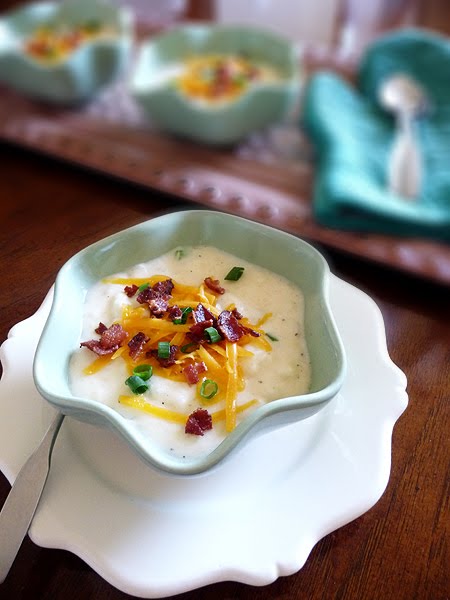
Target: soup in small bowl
64,53
216,84
188,333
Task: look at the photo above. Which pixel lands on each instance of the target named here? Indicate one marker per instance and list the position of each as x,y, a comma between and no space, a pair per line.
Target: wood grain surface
399,548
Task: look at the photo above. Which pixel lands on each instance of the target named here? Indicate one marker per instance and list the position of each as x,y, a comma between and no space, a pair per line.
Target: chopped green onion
136,384
187,348
212,334
184,315
209,389
143,371
272,337
240,79
143,287
92,26
163,349
179,253
207,74
234,274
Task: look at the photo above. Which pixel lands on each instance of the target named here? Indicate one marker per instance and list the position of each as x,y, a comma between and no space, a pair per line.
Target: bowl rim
159,459
210,29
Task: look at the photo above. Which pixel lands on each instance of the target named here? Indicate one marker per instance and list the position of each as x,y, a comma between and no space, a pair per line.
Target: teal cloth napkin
352,137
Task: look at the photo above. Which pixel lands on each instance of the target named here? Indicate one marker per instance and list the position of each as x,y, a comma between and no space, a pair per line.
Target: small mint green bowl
261,245
225,124
86,70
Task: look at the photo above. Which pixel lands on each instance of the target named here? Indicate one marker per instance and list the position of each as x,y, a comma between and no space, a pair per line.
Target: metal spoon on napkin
403,96
20,505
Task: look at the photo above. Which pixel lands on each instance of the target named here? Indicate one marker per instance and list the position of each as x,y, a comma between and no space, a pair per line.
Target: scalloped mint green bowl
85,71
259,244
228,123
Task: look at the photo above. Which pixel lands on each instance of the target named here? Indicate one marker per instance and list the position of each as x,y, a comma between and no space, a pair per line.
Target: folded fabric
353,137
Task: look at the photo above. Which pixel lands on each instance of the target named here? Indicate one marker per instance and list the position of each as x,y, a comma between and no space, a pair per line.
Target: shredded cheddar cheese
221,360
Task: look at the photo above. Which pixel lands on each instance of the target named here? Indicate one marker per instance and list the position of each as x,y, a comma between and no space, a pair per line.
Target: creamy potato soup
53,43
188,344
215,79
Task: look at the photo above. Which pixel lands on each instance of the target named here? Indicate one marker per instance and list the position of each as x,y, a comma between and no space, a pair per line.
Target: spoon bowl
403,96
400,93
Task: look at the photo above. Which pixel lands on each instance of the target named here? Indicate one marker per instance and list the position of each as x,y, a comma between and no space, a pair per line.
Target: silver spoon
403,96
20,505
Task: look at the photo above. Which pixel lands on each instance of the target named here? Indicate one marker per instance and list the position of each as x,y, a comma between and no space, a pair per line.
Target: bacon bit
250,331
229,326
196,333
192,372
202,314
214,285
144,295
137,343
198,422
158,306
252,72
110,340
164,362
164,287
157,297
156,302
96,347
101,328
130,290
174,312
222,80
113,336
236,313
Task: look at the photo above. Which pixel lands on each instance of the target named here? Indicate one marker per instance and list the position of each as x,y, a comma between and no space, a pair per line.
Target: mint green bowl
85,71
261,245
255,109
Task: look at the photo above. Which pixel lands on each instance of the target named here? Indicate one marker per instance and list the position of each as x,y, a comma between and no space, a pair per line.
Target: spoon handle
405,166
21,503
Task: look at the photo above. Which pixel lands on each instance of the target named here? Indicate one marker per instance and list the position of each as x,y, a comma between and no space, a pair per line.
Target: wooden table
399,548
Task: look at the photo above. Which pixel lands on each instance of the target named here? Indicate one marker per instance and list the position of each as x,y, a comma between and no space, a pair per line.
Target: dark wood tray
268,178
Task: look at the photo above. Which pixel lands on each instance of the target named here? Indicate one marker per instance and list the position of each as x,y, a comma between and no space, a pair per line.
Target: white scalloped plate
253,519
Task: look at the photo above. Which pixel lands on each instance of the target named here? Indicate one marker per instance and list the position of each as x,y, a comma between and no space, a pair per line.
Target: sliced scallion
187,348
212,335
179,253
92,26
136,384
184,315
208,389
234,274
143,371
272,337
143,287
240,79
163,349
